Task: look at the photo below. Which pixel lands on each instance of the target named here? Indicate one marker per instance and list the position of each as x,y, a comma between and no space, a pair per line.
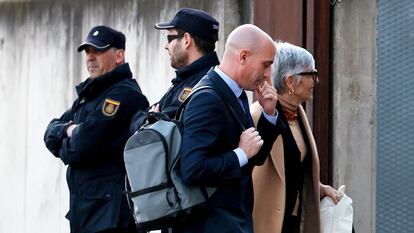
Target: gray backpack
157,196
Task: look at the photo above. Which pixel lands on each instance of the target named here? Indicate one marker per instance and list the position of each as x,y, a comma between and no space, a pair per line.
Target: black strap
148,190
180,109
229,106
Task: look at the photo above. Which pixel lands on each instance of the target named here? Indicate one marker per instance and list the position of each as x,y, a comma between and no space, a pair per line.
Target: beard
179,57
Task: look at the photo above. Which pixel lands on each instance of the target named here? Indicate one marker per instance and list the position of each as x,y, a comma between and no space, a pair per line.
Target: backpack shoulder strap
180,109
199,88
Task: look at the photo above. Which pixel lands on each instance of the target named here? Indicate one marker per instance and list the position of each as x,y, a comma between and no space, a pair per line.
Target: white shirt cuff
271,119
241,156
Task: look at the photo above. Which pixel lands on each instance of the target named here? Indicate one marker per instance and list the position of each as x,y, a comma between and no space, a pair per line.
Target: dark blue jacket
94,153
210,135
187,77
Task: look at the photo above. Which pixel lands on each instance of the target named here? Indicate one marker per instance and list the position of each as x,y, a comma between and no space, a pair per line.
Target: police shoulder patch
184,94
110,107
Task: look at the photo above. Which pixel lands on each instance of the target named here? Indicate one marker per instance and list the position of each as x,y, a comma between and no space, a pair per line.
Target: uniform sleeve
199,163
55,132
103,133
138,120
171,110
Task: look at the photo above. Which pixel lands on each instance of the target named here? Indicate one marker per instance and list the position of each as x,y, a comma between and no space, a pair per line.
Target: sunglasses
314,75
173,37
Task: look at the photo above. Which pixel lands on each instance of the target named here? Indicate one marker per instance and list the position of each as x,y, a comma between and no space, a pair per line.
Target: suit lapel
219,85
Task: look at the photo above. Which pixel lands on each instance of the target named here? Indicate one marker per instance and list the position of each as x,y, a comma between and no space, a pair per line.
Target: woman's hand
327,190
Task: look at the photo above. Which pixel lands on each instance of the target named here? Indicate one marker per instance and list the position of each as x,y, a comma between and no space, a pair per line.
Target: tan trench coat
269,186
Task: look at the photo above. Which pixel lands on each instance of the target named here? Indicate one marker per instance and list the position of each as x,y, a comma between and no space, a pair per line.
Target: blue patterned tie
245,103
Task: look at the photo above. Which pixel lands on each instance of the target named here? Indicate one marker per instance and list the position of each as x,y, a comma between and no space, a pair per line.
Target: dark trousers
130,229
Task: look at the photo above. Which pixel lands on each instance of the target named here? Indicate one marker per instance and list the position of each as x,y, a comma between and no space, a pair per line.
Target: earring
291,91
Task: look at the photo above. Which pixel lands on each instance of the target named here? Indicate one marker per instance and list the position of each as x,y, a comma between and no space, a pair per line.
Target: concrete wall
354,106
39,67
38,70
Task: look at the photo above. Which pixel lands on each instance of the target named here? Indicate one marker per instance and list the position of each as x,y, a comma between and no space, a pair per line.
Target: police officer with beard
191,39
90,136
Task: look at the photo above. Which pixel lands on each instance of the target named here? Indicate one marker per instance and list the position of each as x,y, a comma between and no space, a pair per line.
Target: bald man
217,150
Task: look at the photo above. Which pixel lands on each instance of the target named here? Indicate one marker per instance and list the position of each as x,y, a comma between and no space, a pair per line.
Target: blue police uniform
94,152
187,78
198,24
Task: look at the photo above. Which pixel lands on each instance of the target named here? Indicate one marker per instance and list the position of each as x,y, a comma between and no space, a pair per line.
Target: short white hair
290,59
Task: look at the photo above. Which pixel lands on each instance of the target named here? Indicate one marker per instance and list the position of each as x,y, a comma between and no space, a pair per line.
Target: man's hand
250,142
70,129
267,97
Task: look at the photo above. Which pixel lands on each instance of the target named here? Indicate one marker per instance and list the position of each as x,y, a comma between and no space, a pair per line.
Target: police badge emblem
184,94
110,107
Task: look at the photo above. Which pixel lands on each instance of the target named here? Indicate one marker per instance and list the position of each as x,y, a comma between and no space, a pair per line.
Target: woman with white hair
287,189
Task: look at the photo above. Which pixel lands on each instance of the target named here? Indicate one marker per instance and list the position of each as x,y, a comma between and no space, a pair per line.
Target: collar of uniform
208,60
91,87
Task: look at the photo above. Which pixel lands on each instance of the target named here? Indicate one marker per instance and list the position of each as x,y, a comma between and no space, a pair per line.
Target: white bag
337,218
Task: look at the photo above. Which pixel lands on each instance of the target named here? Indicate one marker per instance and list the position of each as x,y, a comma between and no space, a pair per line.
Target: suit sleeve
101,135
269,133
203,124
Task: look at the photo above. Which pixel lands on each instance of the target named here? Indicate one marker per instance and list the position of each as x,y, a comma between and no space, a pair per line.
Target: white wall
354,106
39,67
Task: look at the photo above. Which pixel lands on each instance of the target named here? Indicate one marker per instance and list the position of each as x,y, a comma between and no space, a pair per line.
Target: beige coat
269,186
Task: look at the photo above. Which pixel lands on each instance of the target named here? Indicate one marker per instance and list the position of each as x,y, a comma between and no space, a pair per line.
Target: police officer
90,136
191,39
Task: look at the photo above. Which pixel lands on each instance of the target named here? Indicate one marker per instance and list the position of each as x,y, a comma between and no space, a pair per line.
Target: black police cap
196,22
103,38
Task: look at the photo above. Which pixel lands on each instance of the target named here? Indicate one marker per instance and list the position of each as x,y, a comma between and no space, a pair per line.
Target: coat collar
277,149
208,60
92,87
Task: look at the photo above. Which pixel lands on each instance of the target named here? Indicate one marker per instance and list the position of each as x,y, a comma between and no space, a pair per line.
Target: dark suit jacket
210,134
